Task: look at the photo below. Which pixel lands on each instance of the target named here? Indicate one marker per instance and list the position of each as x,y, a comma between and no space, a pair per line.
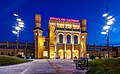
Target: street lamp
17,28
109,21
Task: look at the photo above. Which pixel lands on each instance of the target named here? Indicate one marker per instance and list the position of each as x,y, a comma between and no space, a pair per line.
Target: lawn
104,66
8,60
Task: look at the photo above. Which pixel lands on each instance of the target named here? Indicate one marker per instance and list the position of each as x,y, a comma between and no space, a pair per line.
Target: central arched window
75,39
60,38
68,39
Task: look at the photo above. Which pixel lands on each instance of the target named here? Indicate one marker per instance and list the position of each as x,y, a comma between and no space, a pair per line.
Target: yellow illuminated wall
51,39
38,37
84,36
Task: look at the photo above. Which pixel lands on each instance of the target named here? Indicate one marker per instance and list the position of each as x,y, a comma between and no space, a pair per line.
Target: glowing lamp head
109,17
18,19
39,34
21,25
15,15
17,28
83,36
103,32
21,22
112,19
14,32
106,27
105,15
109,22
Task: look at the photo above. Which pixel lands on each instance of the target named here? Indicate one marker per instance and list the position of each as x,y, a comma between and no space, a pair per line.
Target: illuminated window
60,38
68,39
45,53
75,39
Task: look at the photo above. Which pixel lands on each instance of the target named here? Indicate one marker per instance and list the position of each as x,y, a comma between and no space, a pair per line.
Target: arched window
8,54
12,53
68,39
75,39
60,38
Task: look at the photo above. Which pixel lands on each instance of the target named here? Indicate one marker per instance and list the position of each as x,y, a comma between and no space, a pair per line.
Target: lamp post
17,28
109,21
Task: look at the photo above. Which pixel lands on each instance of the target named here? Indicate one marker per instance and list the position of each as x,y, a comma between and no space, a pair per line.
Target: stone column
57,50
72,51
56,45
64,45
79,42
80,51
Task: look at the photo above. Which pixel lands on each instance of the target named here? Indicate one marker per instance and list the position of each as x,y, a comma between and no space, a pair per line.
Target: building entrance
60,54
68,54
76,53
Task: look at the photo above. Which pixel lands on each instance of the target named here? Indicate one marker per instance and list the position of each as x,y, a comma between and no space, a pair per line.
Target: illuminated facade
66,38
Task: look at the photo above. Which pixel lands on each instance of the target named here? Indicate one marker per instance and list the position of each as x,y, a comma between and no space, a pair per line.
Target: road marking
24,71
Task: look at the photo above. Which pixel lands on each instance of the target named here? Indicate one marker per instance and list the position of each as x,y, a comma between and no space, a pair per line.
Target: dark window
30,47
12,47
8,54
3,46
60,38
19,47
75,39
45,43
2,53
68,39
22,47
12,53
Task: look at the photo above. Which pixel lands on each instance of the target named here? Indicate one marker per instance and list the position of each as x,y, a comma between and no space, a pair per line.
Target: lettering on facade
64,20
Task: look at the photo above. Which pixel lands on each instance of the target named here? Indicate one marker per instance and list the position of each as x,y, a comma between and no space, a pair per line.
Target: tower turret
84,36
38,20
38,38
83,25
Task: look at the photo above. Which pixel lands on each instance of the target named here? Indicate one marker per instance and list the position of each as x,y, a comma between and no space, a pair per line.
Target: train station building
66,39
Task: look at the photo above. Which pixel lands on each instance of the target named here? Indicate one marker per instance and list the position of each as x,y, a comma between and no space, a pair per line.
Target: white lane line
25,70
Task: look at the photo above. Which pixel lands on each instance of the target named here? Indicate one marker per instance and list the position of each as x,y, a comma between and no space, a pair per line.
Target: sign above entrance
64,20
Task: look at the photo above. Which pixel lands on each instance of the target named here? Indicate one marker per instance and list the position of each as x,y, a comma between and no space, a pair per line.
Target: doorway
76,53
68,54
60,54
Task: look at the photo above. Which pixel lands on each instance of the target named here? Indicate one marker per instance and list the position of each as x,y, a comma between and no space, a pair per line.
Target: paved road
42,66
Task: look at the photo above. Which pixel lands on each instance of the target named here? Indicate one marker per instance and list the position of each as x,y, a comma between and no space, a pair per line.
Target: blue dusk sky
91,10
